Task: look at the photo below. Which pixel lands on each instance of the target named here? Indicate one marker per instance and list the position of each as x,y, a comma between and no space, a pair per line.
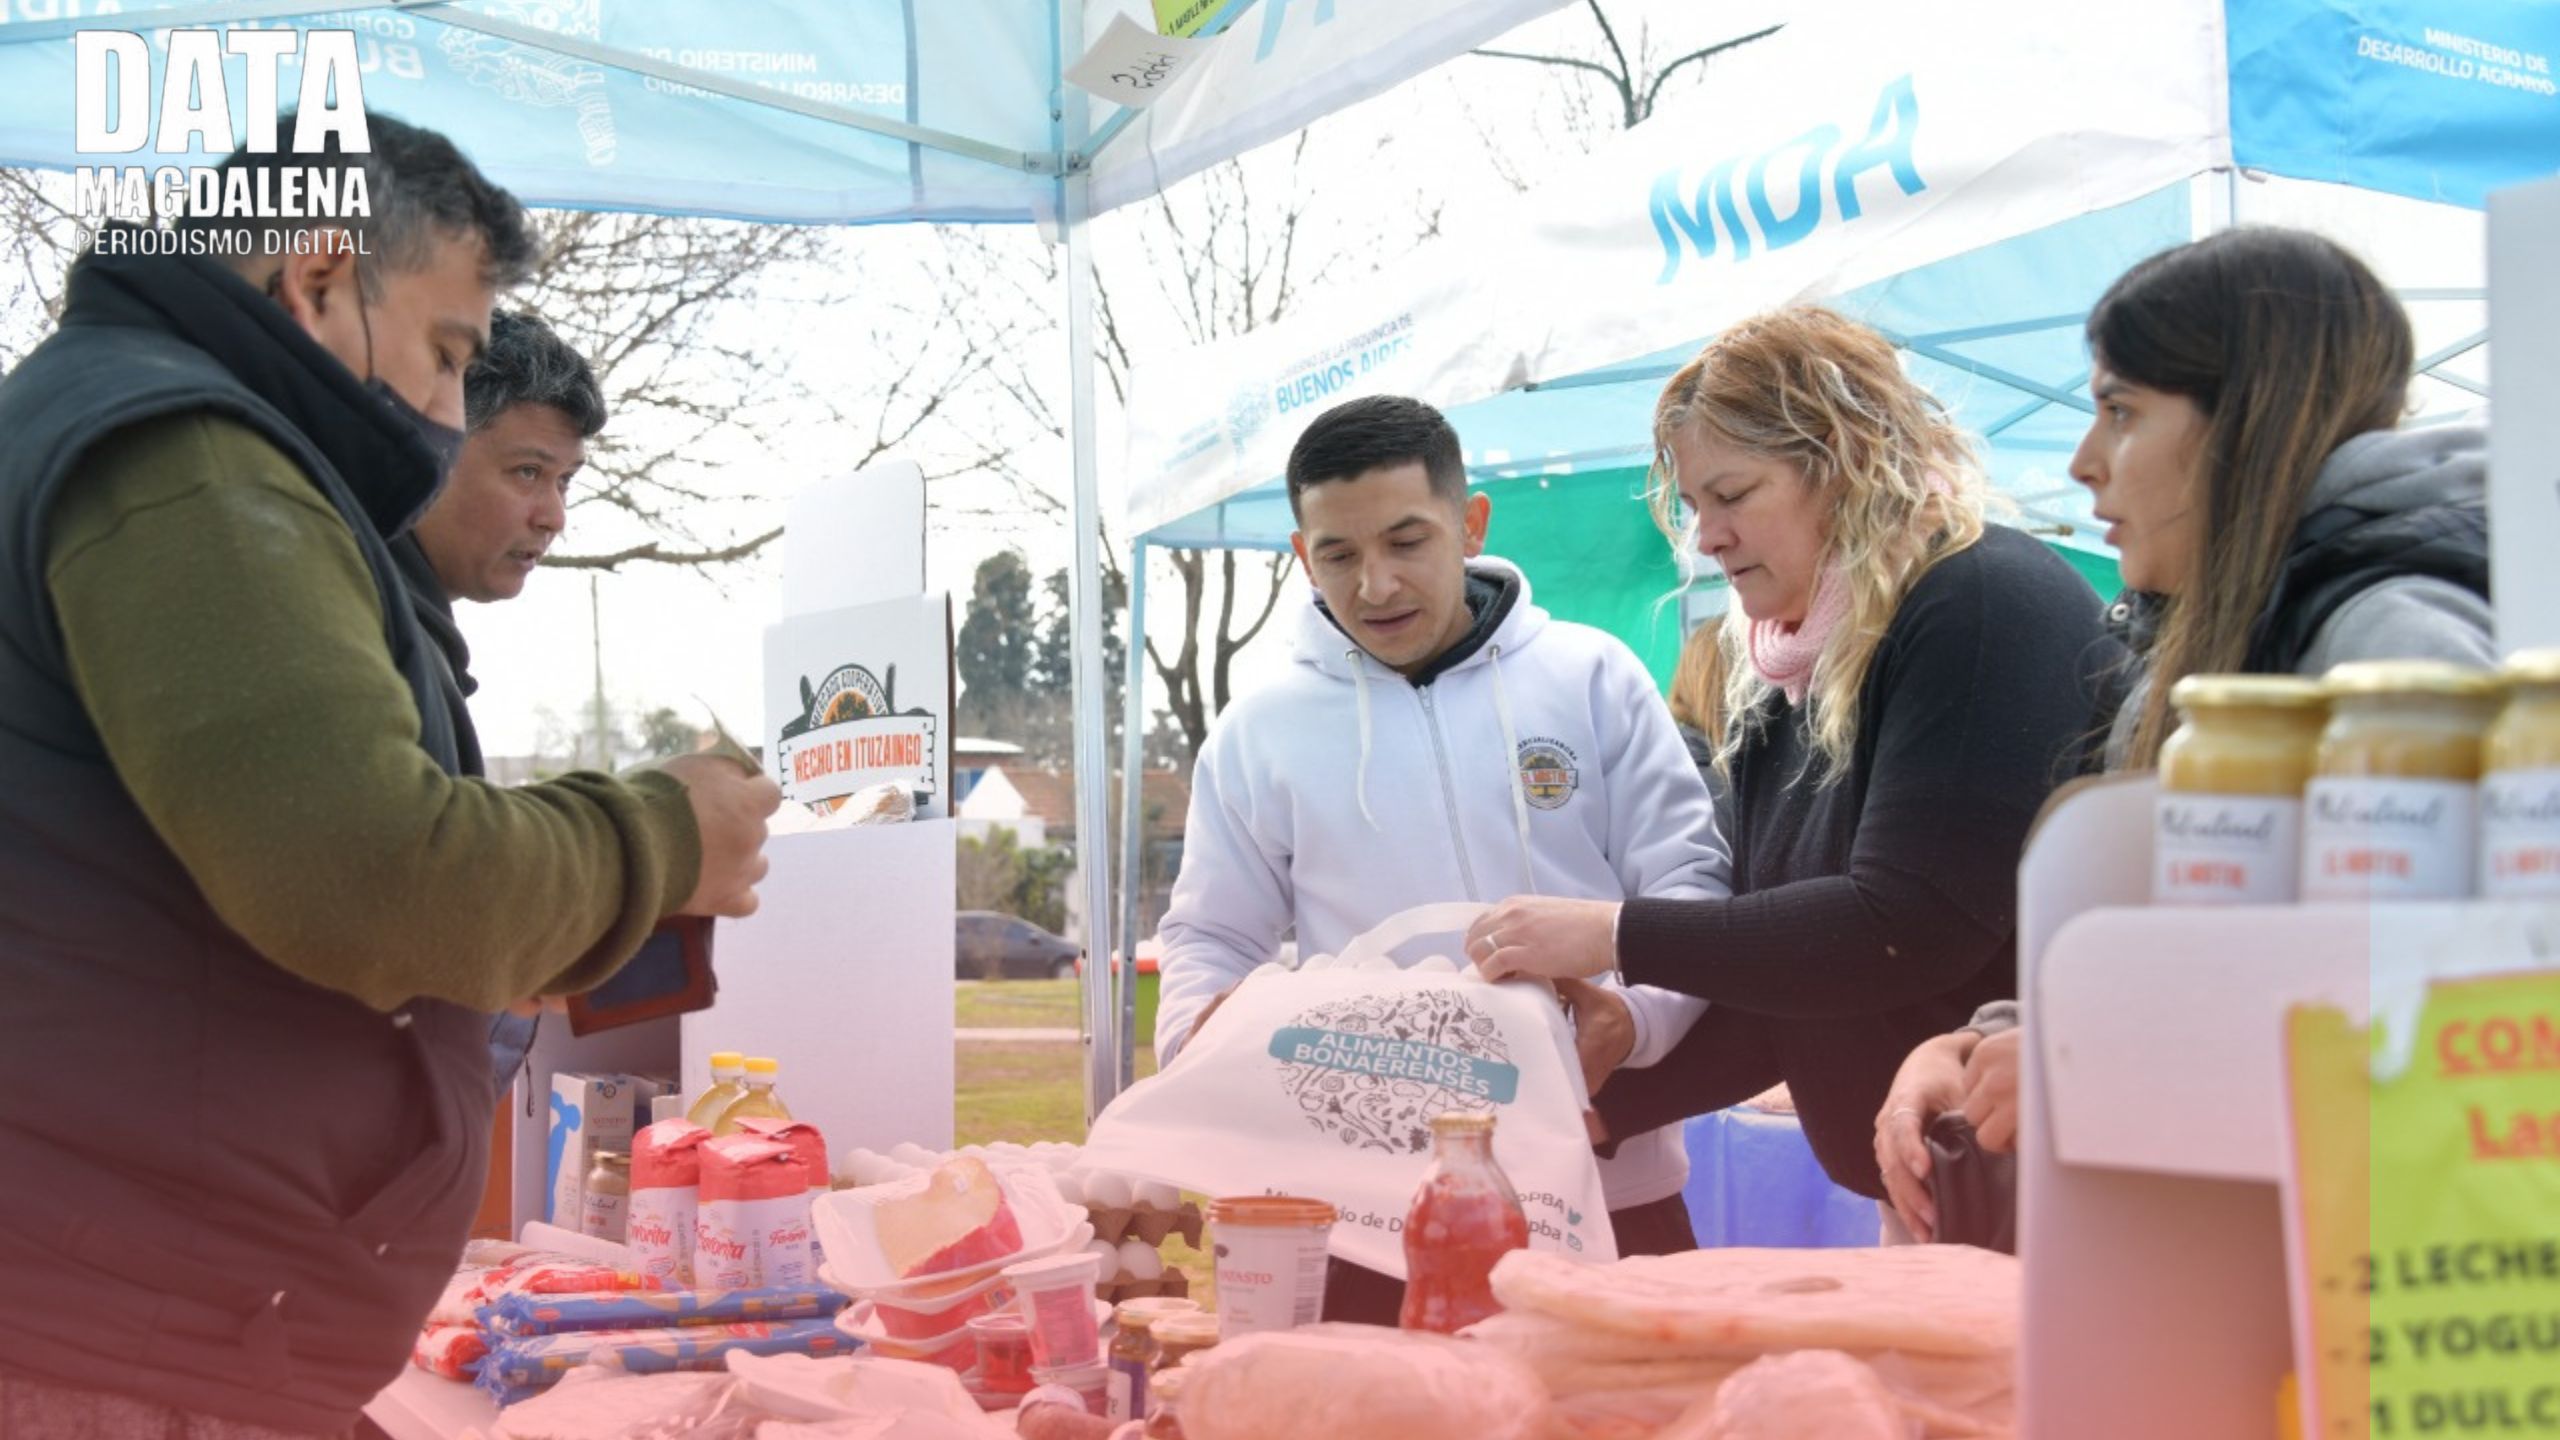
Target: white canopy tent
1967,177
820,111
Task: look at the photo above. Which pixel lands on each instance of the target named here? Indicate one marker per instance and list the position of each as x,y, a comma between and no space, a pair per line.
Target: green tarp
1589,548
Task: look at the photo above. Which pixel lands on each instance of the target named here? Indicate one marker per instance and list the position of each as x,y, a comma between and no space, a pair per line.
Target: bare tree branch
1699,56
1561,61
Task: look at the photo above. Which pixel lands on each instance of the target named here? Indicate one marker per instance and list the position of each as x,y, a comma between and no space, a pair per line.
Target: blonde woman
1904,684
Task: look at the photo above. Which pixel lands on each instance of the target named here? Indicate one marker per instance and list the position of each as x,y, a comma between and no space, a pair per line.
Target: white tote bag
1323,1082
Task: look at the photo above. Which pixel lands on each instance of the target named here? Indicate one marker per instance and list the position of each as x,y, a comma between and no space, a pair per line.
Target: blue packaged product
512,1316
532,1364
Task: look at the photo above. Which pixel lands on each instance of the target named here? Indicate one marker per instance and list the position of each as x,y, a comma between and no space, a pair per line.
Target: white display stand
420,1406
2524,441
2151,1231
845,972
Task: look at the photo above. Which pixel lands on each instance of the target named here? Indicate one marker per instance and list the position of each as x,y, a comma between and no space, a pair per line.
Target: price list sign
2423,1216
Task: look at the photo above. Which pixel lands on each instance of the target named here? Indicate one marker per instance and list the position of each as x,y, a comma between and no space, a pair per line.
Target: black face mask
443,441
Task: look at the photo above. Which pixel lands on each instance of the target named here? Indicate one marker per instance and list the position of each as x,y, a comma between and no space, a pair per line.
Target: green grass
1027,1093
1017,1004
1038,1005
1024,1093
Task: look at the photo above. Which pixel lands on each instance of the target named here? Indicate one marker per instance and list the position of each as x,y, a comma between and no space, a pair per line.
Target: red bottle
1465,1217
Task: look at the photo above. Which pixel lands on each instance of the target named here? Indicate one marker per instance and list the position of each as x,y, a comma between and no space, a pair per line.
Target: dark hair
1357,436
419,190
2291,347
527,363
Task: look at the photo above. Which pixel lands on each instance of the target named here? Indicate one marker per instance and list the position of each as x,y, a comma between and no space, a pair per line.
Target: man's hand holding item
730,807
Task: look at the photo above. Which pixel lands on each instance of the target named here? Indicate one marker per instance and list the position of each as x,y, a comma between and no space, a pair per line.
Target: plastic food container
1156,1307
1055,1299
1179,1337
1271,1261
1004,1353
918,1317
1091,1384
955,1351
846,1222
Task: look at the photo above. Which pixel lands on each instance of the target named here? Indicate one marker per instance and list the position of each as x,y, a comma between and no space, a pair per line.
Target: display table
420,1406
1753,1181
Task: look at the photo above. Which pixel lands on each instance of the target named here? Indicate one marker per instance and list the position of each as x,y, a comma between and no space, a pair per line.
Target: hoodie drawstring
1360,687
1519,785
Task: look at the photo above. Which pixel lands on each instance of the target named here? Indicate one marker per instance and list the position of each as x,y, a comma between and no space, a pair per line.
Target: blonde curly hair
1901,486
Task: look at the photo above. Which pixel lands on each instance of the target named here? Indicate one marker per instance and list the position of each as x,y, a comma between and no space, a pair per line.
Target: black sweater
1876,911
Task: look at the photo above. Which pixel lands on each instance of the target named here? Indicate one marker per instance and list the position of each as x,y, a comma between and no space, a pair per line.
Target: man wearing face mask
252,921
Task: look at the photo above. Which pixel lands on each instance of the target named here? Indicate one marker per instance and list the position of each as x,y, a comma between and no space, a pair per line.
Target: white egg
1107,1190
1109,1255
1140,1260
1070,1187
1155,1195
908,1152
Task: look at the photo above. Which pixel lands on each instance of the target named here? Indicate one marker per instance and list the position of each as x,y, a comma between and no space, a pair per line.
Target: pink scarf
1784,656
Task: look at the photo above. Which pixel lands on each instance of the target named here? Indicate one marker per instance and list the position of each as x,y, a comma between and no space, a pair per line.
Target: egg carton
1132,1270
1148,1224
1171,1285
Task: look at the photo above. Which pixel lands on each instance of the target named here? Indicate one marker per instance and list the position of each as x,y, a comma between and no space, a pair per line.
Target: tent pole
1084,597
1133,815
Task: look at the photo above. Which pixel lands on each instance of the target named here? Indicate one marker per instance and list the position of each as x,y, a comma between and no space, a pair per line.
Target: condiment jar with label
2520,789
1133,1358
607,1213
1179,1337
2228,827
2392,810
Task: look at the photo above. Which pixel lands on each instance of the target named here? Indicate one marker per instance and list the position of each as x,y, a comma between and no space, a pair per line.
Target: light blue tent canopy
1966,177
829,111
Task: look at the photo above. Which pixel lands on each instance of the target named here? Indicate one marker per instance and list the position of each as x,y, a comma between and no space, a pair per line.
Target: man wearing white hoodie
1440,738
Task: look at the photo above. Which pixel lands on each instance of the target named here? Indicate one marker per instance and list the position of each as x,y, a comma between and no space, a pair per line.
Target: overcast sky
1468,134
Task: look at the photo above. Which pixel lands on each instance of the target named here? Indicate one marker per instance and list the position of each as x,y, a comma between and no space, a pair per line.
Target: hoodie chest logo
1549,772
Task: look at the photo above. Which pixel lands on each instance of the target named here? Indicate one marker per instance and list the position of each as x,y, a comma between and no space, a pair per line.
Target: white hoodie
1544,763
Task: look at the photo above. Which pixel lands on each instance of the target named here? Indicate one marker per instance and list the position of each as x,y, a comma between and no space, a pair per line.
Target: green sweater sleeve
227,639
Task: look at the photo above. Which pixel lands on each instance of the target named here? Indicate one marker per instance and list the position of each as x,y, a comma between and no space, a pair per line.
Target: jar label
1126,1390
2388,839
602,1215
2520,834
2226,850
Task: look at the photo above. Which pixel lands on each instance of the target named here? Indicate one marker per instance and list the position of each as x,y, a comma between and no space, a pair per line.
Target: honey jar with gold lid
2229,818
2392,809
2520,783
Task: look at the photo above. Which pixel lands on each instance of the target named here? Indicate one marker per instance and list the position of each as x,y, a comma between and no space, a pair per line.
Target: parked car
992,946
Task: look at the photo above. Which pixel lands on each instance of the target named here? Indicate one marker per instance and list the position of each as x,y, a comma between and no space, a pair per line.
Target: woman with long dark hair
2272,517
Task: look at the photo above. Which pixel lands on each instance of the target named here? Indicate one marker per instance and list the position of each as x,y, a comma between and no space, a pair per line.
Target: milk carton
589,1113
